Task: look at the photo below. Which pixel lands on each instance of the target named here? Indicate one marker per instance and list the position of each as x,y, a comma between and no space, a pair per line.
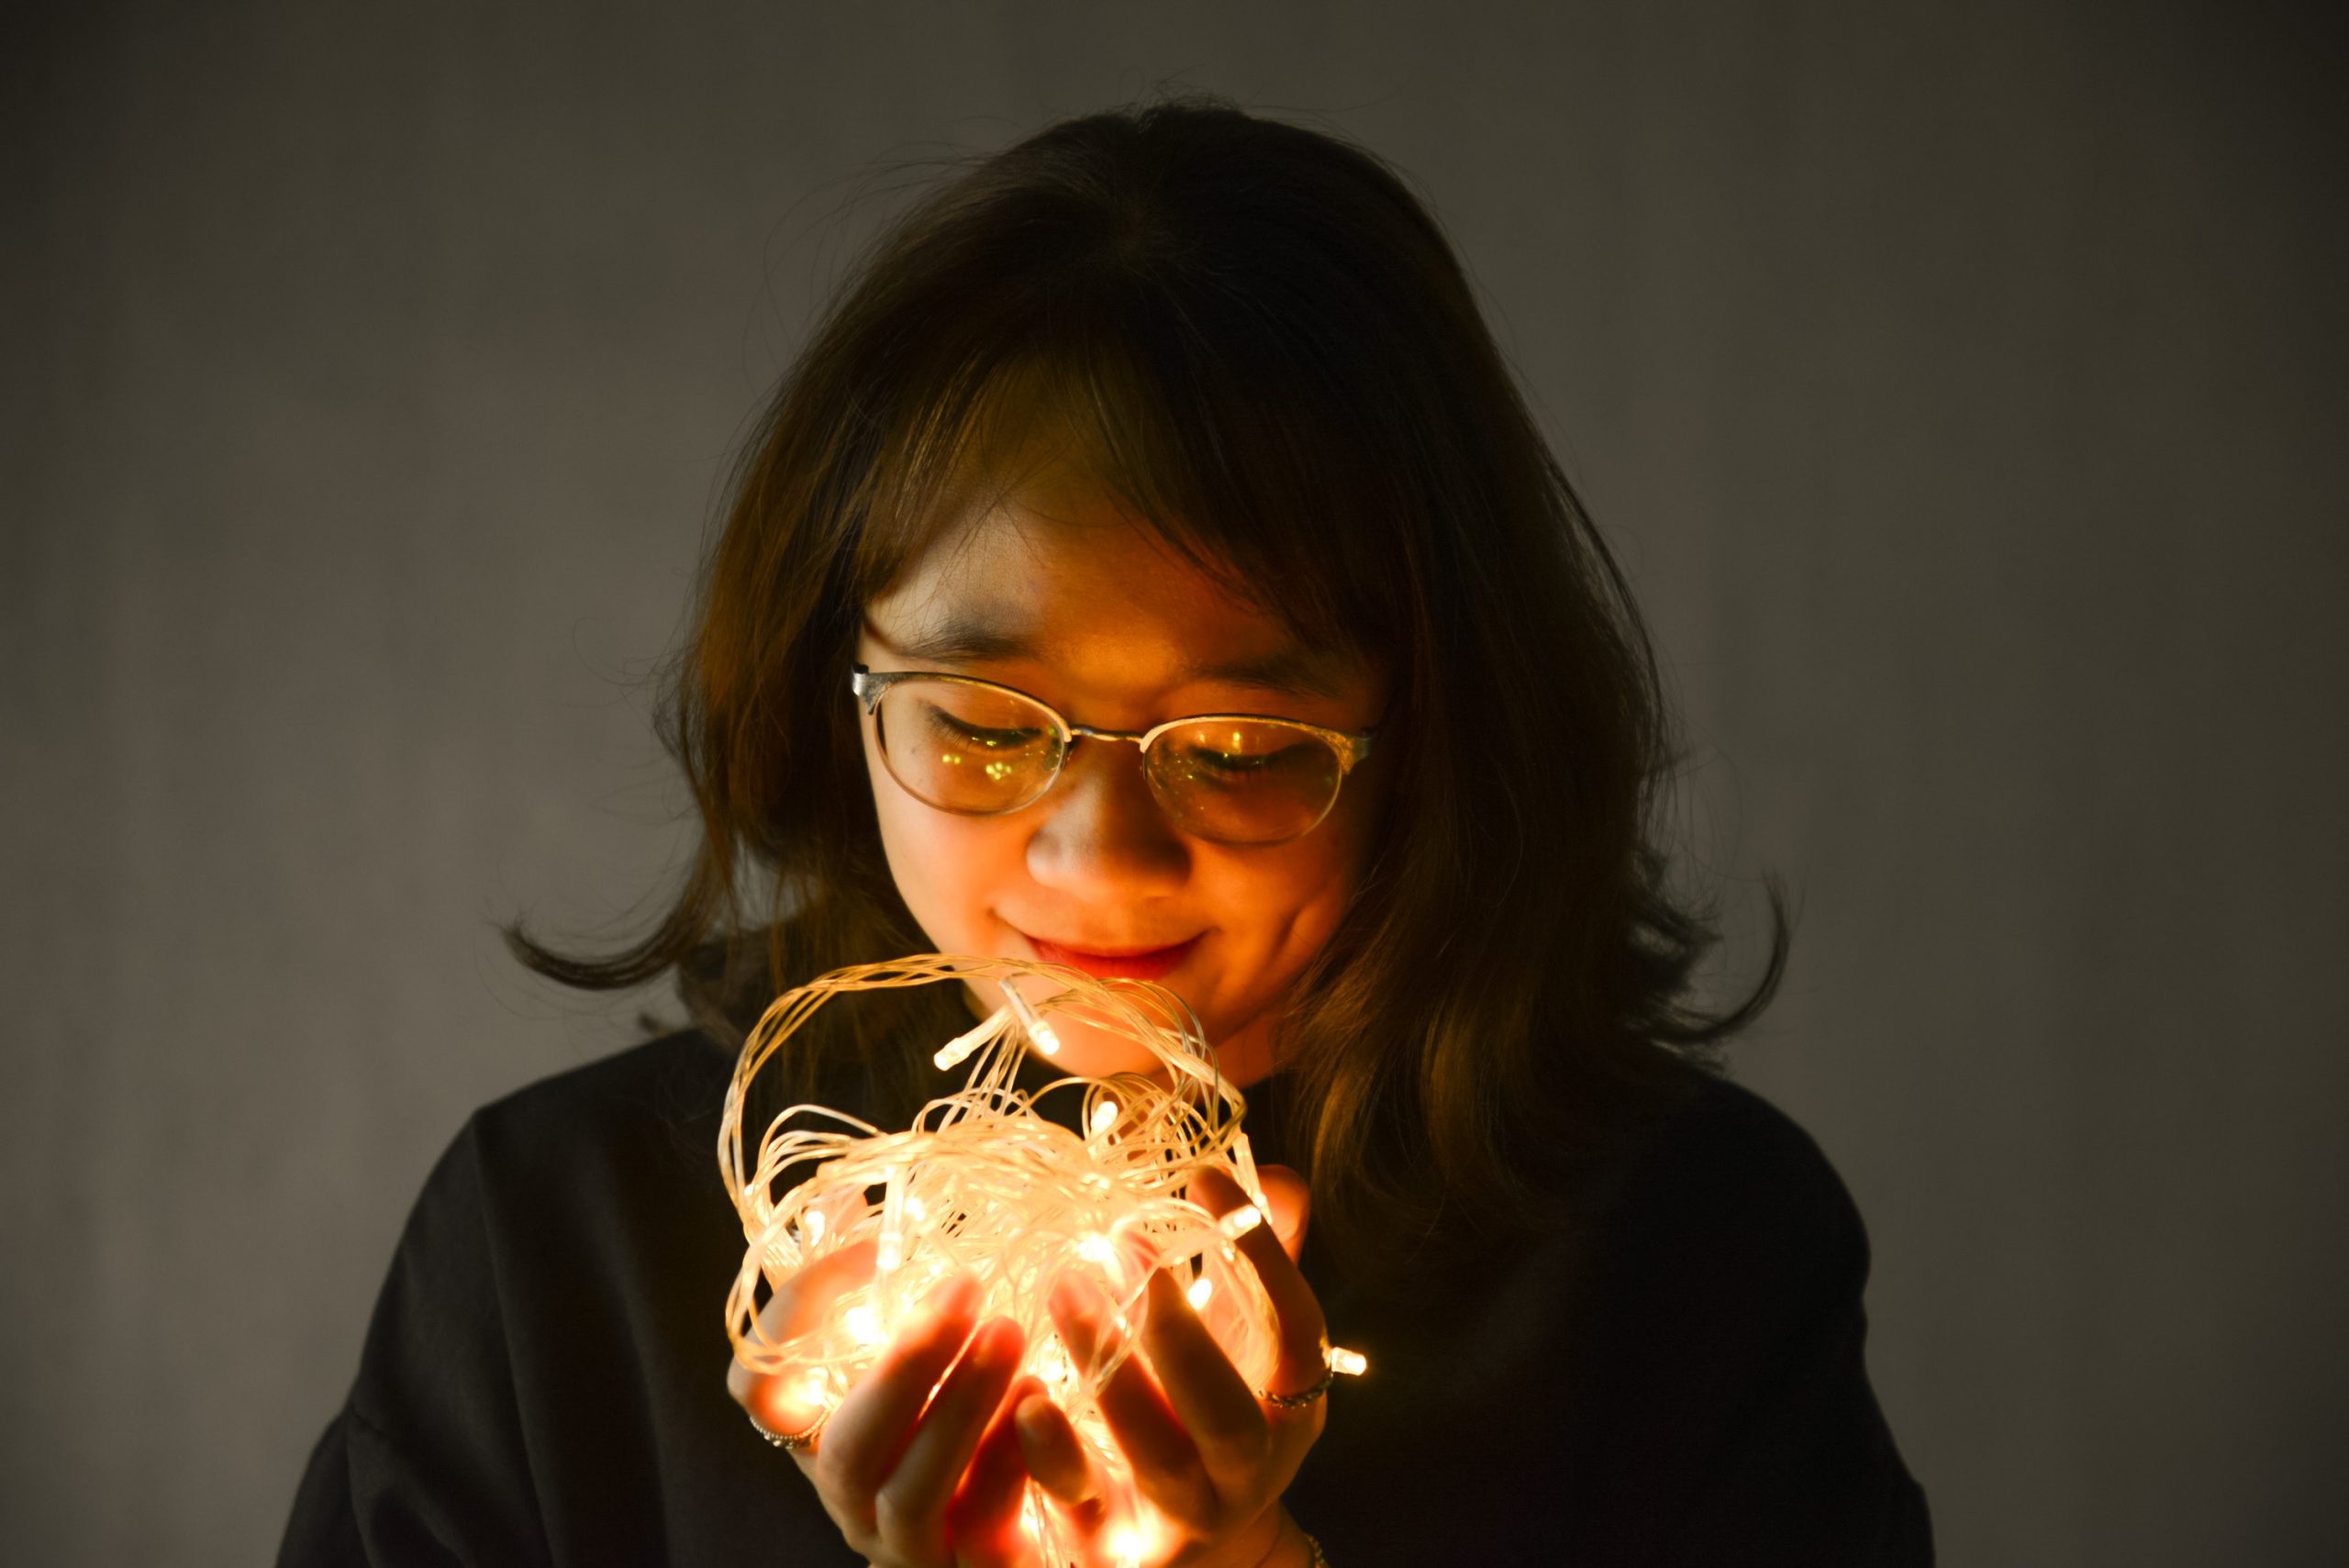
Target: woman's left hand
1209,1455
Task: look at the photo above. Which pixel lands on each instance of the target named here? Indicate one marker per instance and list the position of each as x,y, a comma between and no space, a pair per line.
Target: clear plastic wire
984,1182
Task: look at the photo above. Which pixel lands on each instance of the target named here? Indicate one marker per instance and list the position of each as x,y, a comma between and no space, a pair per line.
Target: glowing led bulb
1129,1544
862,1323
1104,1116
1201,1288
959,1049
1047,1042
1097,1250
1346,1363
1241,1221
811,1227
917,1210
815,1388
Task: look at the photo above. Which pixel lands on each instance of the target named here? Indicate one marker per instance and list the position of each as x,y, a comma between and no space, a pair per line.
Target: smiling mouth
1143,963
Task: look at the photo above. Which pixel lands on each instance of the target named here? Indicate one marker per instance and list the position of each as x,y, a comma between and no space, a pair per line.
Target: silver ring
793,1441
1303,1395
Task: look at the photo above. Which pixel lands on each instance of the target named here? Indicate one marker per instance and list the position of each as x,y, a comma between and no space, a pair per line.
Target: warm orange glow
984,1183
1130,1542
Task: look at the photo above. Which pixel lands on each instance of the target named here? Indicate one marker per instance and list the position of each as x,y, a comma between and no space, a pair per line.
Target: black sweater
544,1379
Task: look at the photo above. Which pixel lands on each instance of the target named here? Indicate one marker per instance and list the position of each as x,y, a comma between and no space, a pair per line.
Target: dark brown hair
1272,352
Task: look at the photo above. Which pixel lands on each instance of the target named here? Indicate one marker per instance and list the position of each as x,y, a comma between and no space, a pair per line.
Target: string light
1039,1032
985,1183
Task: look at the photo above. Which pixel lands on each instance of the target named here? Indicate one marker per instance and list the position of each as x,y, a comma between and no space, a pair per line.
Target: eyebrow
1294,670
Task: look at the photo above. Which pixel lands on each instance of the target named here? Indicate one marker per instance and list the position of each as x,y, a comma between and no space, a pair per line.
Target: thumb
1290,1200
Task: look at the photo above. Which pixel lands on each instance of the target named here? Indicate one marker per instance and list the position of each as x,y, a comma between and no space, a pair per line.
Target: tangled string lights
985,1182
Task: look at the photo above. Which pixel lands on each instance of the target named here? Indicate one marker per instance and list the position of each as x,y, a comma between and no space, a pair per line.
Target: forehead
1056,573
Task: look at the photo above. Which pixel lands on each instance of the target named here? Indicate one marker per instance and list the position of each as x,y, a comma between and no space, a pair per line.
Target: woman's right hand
913,1480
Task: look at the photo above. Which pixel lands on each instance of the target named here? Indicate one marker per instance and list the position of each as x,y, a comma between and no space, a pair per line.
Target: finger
1065,1465
1291,1203
984,1517
870,1427
1165,1465
1053,1452
910,1508
1214,1402
797,1306
1297,1311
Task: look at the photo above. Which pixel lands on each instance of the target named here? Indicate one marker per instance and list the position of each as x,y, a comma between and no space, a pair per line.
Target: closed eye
985,740
1238,763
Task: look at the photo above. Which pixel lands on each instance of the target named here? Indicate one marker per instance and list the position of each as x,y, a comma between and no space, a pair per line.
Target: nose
1103,838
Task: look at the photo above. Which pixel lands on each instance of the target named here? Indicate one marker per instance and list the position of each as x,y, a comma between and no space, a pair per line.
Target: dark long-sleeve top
543,1381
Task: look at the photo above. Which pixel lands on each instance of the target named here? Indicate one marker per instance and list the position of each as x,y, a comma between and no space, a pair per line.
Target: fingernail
955,1295
999,1340
1072,1314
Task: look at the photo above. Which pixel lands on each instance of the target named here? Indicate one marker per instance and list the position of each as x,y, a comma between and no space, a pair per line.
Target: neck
1246,1056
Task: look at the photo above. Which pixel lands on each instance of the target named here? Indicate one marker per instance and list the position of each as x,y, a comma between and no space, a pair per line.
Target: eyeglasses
980,750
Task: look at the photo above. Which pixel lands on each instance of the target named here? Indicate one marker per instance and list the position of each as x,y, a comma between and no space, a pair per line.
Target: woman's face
1058,593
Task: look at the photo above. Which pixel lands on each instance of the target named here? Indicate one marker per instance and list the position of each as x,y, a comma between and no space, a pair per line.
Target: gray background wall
1962,383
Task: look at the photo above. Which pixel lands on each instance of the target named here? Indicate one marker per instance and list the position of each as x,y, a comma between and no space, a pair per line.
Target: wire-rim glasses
979,749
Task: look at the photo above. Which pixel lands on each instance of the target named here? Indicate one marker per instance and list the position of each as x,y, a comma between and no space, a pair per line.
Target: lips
1129,964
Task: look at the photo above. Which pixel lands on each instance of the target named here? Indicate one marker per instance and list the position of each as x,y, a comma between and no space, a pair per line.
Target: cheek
1281,906
1305,891
949,869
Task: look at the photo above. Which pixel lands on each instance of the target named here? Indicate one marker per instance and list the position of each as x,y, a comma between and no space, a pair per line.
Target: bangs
1266,478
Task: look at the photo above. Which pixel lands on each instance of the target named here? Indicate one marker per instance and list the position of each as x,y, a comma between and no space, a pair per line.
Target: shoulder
1731,1158
587,1133
556,1188
548,1342
1724,1352
1730,1212
680,1075
569,1153
1673,1372
556,1226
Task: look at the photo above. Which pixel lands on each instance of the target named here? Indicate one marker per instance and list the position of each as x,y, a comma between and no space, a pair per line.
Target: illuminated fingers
983,1518
1166,1465
1054,1454
1301,1332
1291,1202
788,1402
909,1510
872,1423
1214,1402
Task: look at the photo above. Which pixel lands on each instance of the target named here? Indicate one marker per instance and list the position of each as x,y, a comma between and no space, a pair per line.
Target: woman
1157,415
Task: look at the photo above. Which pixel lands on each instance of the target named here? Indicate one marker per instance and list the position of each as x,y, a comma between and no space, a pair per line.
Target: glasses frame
869,685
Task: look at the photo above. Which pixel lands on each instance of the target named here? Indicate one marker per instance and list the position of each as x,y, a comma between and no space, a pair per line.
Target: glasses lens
1243,781
967,749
